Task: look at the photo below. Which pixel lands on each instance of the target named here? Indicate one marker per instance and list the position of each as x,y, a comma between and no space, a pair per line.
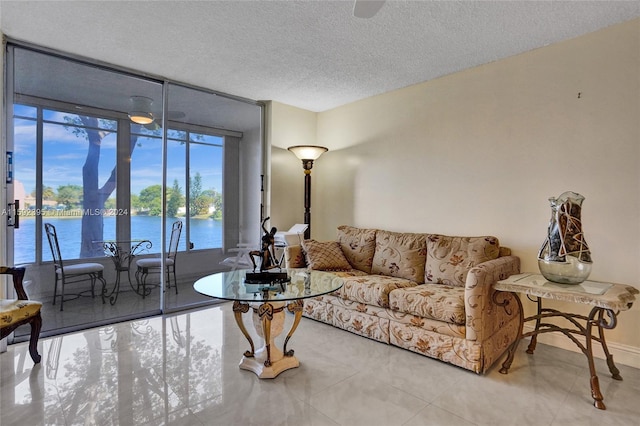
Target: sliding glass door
113,160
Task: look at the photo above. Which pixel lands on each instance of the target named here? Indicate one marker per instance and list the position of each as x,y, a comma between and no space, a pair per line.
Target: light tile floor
183,370
84,312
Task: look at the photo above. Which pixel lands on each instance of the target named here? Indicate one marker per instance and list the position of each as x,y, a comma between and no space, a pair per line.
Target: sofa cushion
358,246
436,301
419,322
400,255
450,258
325,256
371,289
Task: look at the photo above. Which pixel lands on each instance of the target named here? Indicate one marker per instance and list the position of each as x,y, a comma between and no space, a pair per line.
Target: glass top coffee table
268,301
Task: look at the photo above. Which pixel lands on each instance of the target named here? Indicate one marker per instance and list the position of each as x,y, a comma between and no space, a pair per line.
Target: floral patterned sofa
428,293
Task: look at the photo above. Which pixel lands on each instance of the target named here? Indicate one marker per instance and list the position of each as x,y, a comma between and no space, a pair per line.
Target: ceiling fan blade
157,122
176,115
366,8
171,115
153,126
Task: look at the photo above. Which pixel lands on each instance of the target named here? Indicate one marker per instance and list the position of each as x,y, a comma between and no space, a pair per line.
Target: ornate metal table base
268,319
268,302
600,318
122,258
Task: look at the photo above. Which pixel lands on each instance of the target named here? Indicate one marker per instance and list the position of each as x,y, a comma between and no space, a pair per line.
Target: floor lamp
307,153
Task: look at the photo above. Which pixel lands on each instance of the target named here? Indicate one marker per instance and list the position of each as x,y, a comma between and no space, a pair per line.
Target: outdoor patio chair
68,274
20,311
154,264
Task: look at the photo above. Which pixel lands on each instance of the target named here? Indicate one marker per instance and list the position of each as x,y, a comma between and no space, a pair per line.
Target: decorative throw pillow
449,259
400,255
325,256
358,246
294,257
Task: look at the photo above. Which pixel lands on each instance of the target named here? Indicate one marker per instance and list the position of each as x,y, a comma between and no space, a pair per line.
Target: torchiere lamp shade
307,153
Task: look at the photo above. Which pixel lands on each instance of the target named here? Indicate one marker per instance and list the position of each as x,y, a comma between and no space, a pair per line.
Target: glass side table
607,300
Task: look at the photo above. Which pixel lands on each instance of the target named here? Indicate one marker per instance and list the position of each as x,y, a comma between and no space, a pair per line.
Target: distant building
19,194
27,201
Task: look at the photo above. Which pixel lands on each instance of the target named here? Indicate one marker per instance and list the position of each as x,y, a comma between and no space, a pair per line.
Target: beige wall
288,126
480,152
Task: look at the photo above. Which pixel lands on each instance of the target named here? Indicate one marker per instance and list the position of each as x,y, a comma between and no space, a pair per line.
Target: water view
204,233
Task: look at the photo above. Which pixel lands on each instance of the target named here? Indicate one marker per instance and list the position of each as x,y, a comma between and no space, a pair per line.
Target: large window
24,164
62,188
193,191
74,185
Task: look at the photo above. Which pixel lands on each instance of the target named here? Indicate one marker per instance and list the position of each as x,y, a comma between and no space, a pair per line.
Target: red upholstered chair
20,311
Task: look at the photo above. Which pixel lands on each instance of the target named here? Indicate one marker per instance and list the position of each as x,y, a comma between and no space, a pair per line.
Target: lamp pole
307,165
307,153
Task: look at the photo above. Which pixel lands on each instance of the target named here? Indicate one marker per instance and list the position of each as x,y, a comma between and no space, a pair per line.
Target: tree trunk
93,197
92,222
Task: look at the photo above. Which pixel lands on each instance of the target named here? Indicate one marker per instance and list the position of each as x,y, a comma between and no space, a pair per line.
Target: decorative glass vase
564,256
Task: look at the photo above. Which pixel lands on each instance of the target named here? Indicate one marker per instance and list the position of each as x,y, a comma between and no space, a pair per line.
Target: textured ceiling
311,54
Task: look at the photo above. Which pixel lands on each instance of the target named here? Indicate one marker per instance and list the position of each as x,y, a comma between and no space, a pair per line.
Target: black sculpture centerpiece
268,261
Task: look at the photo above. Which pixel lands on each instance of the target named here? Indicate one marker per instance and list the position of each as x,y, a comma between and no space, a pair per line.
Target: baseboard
622,354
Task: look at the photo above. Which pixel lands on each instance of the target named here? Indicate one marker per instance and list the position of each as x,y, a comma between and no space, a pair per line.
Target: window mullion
39,182
123,179
187,193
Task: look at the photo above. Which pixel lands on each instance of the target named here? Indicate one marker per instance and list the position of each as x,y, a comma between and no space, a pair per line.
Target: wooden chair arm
18,276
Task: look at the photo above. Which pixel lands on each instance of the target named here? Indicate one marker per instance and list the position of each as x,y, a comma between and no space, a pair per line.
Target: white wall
479,152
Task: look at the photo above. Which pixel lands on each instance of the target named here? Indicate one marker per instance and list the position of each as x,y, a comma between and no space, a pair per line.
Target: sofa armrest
294,257
483,316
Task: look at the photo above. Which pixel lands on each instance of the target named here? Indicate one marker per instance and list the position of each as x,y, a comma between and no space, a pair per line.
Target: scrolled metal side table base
504,303
596,319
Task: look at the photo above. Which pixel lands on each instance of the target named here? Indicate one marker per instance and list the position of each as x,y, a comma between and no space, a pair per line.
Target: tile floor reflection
85,312
183,370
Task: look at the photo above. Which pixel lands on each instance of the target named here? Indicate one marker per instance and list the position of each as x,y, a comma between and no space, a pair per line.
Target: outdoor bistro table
268,302
122,253
607,300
